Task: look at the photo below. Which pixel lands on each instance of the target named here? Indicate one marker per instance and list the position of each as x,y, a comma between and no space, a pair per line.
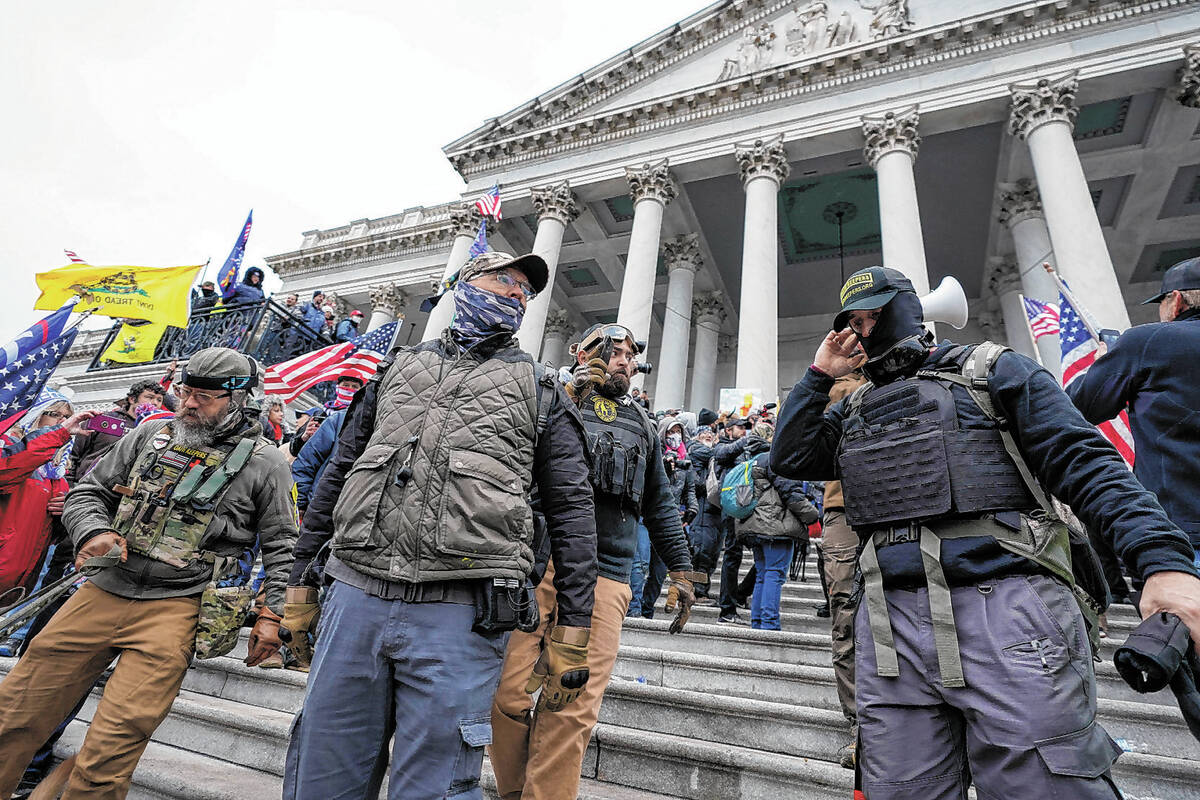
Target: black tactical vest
619,441
908,453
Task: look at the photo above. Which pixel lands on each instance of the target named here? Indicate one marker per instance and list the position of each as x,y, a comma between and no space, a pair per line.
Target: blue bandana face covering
479,314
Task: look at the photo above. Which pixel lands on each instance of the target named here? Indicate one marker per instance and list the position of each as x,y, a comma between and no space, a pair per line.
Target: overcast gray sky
142,132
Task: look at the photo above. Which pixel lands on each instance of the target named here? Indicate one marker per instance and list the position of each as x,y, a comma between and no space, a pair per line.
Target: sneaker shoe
705,601
823,611
272,662
732,619
848,753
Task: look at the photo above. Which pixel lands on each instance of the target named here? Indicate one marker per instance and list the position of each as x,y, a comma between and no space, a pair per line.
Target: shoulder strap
647,423
974,376
854,403
545,398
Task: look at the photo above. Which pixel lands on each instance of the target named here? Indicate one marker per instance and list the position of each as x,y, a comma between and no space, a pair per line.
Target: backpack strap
854,402
545,398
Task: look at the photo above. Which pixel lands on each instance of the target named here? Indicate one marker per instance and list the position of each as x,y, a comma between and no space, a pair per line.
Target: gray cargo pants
1024,725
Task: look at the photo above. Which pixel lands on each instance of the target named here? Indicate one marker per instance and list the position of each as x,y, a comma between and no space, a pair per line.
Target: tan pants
840,545
154,640
539,756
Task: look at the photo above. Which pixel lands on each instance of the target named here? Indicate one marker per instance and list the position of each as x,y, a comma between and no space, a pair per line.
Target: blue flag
480,245
227,277
36,335
22,380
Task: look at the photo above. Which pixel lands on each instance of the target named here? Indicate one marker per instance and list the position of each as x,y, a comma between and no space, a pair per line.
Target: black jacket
1155,370
1070,458
560,475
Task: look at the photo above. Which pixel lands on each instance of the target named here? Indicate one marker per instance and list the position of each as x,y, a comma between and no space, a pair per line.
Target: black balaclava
898,343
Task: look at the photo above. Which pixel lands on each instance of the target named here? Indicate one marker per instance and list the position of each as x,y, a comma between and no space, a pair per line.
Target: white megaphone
947,303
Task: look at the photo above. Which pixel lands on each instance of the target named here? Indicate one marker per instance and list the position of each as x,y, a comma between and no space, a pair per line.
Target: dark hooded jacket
246,292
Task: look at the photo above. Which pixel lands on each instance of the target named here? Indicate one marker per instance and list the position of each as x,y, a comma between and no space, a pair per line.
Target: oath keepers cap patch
606,409
870,288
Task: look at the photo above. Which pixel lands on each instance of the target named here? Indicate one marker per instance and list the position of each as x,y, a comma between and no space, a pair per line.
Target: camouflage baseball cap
220,368
532,265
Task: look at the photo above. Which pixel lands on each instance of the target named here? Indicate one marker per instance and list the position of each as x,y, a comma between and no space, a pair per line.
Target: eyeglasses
55,414
508,280
184,392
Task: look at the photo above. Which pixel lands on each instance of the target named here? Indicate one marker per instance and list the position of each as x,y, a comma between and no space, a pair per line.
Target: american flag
1043,317
36,335
489,204
22,380
73,257
360,356
480,245
1079,348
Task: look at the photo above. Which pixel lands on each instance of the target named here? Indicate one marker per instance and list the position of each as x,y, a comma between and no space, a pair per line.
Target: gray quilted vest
440,491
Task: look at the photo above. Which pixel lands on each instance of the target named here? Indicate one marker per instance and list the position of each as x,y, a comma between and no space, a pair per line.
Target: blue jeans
654,583
640,569
384,667
772,557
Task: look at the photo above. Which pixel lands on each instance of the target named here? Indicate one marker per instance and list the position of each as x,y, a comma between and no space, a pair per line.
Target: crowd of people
450,549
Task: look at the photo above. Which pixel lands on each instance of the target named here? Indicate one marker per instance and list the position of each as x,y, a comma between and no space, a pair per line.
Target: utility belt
1042,540
501,604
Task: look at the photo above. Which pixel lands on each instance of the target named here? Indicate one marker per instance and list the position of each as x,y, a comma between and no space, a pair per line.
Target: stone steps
720,711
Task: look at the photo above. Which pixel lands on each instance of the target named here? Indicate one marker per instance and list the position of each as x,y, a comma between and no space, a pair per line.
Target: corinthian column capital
763,157
558,324
1004,277
555,201
388,298
1047,100
1189,77
464,219
682,252
1019,201
707,309
651,182
889,132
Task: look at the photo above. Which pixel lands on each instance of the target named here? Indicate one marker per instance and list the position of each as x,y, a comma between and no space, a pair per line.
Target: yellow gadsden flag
135,343
155,294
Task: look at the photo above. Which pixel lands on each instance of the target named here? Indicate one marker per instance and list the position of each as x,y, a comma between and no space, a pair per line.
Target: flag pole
1037,353
1085,316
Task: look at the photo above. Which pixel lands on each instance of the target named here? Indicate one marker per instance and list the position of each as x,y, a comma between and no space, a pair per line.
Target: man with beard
538,755
426,501
178,499
971,640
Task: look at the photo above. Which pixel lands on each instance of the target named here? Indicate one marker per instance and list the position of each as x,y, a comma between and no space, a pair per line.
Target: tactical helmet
221,368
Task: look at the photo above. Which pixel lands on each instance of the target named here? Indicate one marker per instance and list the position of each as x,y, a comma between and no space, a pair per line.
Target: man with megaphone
972,637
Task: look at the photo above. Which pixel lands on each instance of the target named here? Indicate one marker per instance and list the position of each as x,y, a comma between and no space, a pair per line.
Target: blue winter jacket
1155,370
244,292
308,466
346,331
1070,458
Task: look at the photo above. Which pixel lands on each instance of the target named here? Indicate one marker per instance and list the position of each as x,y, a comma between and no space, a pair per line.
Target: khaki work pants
840,545
538,756
154,639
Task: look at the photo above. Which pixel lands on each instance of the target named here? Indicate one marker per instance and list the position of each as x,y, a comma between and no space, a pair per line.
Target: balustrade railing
268,331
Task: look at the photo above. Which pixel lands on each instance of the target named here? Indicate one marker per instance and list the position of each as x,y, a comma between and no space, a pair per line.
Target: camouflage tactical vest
172,493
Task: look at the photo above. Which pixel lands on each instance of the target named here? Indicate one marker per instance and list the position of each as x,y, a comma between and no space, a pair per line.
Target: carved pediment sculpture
755,49
889,17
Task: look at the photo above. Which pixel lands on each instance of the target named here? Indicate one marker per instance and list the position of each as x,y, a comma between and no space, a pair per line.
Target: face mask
898,343
674,440
343,397
479,314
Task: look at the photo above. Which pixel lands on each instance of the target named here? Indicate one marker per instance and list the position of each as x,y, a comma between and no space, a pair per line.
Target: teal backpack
737,491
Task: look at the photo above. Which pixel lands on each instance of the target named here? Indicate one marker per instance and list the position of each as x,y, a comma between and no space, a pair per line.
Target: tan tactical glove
264,637
562,670
300,612
679,592
585,378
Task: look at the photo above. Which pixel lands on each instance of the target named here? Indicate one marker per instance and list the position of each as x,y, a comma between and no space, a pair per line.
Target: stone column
682,257
652,188
763,166
556,210
558,332
1021,212
386,302
1189,77
464,221
708,314
891,149
1043,115
1005,284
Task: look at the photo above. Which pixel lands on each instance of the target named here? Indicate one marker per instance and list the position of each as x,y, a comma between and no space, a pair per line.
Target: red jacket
24,521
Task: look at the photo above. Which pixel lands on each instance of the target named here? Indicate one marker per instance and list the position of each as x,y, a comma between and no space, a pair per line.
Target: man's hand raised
839,354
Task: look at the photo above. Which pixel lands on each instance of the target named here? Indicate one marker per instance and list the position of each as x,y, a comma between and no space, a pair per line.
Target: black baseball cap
873,287
1182,277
